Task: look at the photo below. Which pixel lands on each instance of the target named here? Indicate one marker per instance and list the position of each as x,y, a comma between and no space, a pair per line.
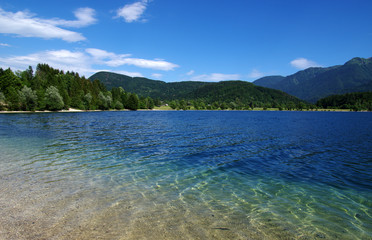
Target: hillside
314,83
231,93
246,92
147,87
268,81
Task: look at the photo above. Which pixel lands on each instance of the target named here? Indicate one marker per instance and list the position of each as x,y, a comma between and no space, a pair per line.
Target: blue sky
197,40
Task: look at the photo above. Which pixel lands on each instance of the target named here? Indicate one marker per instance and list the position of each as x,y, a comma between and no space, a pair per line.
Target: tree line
52,89
354,101
201,104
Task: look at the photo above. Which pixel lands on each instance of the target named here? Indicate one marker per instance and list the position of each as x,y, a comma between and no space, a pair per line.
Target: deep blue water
301,175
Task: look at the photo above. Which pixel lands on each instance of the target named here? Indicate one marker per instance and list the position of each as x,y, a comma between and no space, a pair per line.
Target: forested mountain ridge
147,87
231,91
220,95
314,83
268,81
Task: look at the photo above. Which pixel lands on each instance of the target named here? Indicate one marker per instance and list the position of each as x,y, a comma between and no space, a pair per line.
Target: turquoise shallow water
186,175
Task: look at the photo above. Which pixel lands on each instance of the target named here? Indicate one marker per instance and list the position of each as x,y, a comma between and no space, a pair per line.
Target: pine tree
133,102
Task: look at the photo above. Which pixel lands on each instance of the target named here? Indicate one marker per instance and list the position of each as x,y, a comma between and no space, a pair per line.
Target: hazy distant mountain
314,83
268,81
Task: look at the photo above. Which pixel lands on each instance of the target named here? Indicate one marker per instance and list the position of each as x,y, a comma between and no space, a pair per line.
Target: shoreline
47,111
74,110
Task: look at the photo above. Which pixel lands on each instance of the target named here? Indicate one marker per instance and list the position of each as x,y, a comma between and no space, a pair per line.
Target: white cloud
142,63
85,17
303,63
84,62
255,74
157,75
4,45
132,12
191,72
116,60
61,59
130,74
99,54
215,77
25,24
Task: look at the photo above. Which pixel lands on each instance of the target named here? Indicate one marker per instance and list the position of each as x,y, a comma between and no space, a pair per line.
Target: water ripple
288,174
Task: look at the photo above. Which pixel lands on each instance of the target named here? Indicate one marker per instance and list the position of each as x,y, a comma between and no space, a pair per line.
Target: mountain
246,92
147,87
236,92
268,81
314,83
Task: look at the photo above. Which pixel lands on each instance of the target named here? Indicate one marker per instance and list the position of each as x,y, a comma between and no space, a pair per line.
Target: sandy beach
69,110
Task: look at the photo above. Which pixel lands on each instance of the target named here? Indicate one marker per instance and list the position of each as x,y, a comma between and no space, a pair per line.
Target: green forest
354,101
52,89
238,95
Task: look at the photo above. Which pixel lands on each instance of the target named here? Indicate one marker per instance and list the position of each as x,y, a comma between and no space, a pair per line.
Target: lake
186,175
